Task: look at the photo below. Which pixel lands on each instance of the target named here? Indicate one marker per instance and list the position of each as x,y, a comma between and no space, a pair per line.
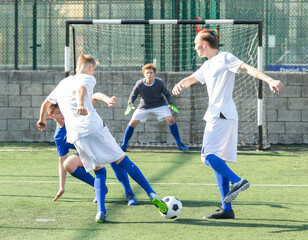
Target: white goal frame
257,22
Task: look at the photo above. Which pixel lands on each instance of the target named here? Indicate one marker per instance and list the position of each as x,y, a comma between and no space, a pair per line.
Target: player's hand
82,111
112,100
41,125
59,194
177,89
129,108
275,84
173,108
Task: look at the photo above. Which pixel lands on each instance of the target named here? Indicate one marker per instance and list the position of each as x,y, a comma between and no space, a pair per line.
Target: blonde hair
85,60
149,66
210,36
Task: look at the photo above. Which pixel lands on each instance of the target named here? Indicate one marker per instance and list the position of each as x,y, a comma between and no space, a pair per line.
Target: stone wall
22,92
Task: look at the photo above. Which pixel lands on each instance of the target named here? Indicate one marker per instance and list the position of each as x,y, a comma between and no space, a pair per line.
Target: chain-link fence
32,32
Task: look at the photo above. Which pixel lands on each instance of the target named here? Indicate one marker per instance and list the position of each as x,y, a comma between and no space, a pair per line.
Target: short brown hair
149,66
53,107
85,60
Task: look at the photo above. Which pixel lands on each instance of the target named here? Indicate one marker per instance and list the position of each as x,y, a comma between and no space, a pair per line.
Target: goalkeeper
152,91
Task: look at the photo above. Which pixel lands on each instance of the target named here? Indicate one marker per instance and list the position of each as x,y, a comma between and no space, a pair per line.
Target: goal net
122,50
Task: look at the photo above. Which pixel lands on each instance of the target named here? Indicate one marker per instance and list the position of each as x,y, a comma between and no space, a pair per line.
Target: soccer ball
174,207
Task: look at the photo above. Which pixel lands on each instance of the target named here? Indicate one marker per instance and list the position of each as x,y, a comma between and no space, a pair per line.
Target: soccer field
274,207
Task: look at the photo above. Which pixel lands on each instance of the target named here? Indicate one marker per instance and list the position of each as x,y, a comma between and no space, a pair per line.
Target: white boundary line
190,184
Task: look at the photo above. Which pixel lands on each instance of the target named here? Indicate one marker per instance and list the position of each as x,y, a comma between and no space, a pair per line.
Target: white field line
190,184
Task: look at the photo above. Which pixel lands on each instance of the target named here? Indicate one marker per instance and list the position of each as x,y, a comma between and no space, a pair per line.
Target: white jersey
65,94
219,74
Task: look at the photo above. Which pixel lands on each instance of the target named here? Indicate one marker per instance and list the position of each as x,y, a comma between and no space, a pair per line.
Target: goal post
164,47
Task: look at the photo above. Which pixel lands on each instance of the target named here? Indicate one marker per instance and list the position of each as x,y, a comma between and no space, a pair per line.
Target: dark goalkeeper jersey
152,96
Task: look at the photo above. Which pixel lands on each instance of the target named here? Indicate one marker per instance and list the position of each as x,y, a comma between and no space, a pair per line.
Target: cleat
182,147
220,214
131,200
159,203
100,217
238,187
124,148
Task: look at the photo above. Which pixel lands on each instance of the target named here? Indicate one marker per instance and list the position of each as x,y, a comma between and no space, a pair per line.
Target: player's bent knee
170,120
203,159
71,163
133,123
120,160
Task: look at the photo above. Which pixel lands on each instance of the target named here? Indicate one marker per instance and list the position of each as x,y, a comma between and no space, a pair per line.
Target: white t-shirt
65,94
219,74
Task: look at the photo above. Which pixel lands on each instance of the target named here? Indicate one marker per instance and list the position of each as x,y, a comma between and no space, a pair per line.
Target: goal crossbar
257,22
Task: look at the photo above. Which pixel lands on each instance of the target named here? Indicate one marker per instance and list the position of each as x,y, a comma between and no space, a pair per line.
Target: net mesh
126,48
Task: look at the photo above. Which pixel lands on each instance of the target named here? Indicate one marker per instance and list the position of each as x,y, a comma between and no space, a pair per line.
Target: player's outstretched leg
100,190
158,202
175,133
127,135
81,174
226,211
122,176
137,175
238,187
222,168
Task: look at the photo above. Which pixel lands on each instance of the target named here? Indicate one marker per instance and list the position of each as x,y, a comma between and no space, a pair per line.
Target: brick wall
21,94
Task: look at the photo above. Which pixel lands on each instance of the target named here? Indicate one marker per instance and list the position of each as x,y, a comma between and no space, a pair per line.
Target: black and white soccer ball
174,207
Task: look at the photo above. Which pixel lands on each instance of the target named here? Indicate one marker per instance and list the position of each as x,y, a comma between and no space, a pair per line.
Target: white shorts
98,149
143,114
220,138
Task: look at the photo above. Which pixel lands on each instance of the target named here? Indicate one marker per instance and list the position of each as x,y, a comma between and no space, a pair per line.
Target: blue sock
122,176
84,176
175,133
221,167
100,189
127,135
223,186
136,174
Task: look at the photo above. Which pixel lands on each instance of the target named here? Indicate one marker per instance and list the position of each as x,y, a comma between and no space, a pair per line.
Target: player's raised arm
185,83
41,123
256,73
104,98
82,91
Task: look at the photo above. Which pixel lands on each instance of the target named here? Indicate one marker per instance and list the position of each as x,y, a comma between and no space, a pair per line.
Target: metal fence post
34,60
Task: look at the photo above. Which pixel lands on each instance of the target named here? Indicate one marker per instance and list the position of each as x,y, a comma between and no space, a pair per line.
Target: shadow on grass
232,223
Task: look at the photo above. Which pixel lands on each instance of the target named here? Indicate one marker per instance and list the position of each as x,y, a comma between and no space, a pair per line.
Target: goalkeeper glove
173,108
129,108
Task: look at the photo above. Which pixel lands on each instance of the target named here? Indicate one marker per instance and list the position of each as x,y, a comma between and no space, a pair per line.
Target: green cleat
100,217
159,203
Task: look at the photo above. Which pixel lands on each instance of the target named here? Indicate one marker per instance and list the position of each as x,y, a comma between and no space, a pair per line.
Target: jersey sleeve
199,74
166,92
54,95
134,94
89,83
233,63
62,147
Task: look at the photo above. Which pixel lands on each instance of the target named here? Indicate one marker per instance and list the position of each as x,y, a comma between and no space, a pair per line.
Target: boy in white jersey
91,137
73,164
221,130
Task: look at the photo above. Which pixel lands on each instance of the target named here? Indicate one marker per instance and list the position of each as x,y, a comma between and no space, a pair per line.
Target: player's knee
169,120
133,123
66,166
203,159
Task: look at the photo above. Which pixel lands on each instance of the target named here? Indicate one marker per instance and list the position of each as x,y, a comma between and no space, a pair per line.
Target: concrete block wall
22,92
